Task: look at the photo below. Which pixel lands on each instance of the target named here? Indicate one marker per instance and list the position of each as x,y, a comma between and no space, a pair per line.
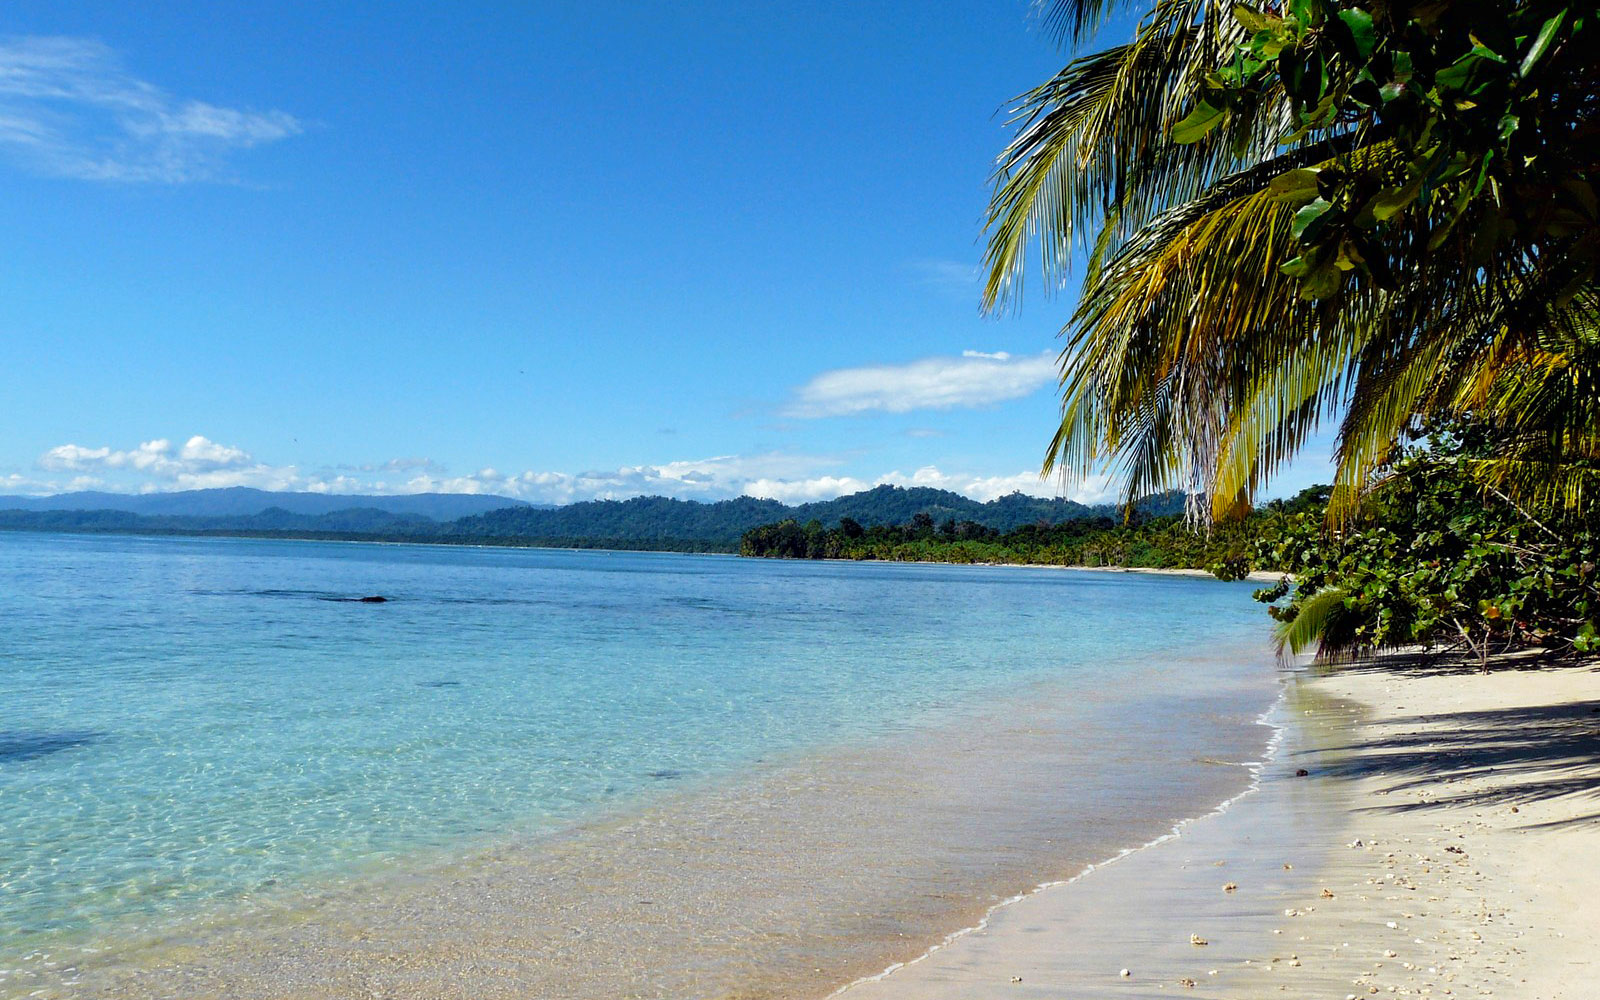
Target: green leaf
1460,75
1484,51
1310,220
1360,24
1296,185
1268,44
1389,203
1205,117
1322,283
1250,17
1541,42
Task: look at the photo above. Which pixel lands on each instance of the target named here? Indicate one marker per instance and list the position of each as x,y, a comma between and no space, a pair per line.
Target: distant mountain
638,519
642,522
897,505
242,501
363,521
662,518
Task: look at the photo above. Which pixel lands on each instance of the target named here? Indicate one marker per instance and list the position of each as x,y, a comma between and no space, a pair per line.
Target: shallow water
811,765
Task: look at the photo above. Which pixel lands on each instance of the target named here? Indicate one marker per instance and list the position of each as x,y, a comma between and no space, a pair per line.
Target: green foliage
1295,213
1164,542
1459,111
1432,560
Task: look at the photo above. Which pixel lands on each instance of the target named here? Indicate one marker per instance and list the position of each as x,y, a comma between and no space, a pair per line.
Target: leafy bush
1434,560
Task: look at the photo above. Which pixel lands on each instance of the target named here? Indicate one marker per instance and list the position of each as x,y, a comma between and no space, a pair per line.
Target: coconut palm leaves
1265,251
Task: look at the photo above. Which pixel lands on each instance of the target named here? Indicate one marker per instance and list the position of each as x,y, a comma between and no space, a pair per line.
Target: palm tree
1286,217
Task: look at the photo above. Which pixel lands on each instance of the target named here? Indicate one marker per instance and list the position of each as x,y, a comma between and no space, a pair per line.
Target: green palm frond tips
1315,618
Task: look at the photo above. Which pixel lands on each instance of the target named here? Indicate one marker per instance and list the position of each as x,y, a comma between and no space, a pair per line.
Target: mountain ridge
653,522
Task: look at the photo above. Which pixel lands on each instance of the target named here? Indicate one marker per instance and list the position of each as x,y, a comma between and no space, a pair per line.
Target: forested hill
725,521
642,522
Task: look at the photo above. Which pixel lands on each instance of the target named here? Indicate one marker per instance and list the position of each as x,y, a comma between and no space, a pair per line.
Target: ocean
535,772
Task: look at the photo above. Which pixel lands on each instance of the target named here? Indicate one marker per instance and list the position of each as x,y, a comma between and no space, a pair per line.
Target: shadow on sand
1531,753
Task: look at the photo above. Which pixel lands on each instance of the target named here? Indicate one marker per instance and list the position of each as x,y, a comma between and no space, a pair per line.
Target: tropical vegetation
1138,540
1370,216
1432,560
1291,212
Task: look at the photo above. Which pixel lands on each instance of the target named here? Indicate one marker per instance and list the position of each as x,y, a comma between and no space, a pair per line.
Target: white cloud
793,491
199,463
201,452
68,108
716,478
16,484
972,380
152,466
199,455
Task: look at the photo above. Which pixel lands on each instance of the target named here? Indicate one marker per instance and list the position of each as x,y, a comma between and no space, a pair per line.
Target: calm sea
552,773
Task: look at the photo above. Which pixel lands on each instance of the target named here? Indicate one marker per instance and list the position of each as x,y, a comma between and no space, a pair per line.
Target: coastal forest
1125,539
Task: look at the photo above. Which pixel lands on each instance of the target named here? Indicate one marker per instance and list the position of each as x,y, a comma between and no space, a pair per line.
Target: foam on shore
1440,843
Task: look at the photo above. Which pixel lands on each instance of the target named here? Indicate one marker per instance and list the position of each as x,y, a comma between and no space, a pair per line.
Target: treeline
1141,540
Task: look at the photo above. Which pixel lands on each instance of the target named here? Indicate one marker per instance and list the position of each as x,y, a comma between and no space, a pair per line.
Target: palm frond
1314,621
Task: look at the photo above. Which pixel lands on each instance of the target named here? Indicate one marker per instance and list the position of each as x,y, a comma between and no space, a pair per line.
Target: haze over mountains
640,522
242,501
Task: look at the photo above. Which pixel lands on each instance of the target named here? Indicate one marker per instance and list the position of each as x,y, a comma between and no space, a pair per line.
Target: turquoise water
185,723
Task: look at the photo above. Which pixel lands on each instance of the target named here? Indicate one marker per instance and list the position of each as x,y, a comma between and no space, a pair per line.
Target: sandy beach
1441,841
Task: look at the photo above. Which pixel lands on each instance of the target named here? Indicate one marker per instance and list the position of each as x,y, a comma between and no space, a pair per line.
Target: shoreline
1258,576
1256,768
789,876
1421,855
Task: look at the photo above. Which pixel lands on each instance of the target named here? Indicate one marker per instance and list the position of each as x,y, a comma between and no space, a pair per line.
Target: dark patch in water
316,595
27,745
697,603
438,684
271,592
667,774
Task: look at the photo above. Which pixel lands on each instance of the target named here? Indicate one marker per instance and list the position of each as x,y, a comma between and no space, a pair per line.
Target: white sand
1446,842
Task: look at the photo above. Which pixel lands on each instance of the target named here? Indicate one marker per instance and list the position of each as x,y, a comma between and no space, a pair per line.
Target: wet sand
786,883
1443,842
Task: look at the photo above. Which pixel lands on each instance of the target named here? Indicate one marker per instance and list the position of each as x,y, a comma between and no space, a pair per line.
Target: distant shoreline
1255,575
682,547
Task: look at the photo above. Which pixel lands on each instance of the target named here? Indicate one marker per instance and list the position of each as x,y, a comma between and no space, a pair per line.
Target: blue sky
555,251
